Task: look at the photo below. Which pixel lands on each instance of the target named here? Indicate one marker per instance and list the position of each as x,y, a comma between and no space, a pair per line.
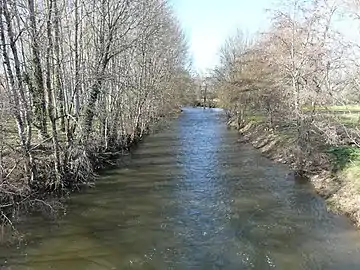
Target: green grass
344,108
349,120
348,115
334,108
346,161
343,156
352,175
257,118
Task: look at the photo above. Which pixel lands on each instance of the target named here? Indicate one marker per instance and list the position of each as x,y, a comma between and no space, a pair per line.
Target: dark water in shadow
191,197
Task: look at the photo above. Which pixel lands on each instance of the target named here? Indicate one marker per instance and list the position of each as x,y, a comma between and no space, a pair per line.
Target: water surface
191,197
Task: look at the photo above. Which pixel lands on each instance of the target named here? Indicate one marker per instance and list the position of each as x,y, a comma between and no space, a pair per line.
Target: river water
191,197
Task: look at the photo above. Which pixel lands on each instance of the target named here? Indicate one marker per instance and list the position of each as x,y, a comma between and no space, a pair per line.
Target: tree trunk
58,85
39,94
51,109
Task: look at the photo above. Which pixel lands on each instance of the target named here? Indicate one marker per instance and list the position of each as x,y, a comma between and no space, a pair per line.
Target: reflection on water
191,197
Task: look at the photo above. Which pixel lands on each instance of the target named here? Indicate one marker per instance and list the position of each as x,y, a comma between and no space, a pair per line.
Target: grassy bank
334,170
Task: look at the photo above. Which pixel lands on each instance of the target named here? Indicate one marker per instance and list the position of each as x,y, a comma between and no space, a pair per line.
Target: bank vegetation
79,81
293,91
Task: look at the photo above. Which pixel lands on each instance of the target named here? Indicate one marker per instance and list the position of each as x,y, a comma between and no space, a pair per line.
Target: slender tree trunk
39,95
51,109
58,85
77,62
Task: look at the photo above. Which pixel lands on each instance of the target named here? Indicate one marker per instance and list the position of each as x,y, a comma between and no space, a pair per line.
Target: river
191,197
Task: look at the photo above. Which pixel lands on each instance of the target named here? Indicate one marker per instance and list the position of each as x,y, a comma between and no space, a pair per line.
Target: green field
335,108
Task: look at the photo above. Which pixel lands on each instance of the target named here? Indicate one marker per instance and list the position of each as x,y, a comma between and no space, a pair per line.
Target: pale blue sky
208,23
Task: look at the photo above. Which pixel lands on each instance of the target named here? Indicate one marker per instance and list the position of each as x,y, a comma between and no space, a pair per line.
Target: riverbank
186,191
19,199
338,185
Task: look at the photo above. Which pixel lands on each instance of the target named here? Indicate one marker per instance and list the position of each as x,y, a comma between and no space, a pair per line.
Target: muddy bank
338,189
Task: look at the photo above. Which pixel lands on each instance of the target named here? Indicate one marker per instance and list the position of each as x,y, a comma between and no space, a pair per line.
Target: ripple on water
191,197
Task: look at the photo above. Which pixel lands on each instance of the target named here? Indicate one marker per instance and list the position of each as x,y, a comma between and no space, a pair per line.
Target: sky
207,24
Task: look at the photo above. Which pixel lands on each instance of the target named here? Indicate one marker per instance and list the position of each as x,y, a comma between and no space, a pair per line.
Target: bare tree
98,73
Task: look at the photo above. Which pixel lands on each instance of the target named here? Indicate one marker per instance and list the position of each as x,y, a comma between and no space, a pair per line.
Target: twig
44,141
8,220
11,171
6,205
45,203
